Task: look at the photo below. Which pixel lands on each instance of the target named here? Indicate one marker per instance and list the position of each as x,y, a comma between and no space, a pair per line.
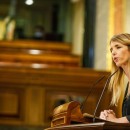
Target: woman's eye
118,47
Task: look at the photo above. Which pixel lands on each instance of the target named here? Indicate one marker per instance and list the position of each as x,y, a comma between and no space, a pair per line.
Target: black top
126,105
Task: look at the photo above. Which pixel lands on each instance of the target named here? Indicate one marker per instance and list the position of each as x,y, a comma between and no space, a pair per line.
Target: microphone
84,102
108,80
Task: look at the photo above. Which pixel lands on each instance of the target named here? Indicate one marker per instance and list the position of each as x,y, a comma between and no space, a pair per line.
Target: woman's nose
113,52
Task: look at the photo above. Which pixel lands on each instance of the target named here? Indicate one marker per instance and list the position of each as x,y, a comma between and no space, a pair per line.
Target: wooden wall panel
34,92
35,106
12,102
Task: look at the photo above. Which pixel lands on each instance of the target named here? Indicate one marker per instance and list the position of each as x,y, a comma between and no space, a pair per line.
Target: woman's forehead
113,43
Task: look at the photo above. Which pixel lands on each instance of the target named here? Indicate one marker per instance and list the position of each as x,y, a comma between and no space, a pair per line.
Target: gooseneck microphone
108,80
84,102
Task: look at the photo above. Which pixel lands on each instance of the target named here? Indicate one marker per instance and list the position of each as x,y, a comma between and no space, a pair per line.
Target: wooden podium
69,117
94,126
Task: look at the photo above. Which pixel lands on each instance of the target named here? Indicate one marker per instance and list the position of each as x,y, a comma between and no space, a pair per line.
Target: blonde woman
120,51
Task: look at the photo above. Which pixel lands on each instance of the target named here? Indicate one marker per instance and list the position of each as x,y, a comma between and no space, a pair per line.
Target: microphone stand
94,115
83,104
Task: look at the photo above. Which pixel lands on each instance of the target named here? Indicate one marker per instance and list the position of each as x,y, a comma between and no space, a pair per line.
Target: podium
69,117
94,126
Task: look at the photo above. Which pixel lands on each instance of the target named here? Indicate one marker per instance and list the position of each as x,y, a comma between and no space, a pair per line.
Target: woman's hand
107,115
111,116
103,115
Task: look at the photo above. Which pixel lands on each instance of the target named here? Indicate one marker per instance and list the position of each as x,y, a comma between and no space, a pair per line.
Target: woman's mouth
115,59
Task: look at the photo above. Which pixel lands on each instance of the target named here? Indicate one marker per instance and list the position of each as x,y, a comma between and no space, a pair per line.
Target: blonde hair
117,81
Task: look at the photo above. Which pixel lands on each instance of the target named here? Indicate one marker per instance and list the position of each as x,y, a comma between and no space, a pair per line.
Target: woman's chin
118,65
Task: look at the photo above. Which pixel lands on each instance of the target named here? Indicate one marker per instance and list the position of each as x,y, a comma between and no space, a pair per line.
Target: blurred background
49,50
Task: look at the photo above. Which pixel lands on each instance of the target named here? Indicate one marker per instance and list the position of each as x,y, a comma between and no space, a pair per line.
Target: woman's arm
113,118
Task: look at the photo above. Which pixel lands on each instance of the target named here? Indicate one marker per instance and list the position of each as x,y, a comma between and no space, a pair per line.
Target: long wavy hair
117,81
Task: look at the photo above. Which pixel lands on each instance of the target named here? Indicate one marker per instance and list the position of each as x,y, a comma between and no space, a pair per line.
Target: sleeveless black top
126,105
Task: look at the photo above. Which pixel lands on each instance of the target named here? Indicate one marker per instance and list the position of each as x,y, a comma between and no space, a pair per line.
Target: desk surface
94,126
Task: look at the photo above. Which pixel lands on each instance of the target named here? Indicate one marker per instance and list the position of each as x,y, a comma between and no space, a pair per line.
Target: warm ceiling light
74,1
29,2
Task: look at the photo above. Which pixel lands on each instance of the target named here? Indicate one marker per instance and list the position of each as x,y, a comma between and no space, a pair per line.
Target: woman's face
120,54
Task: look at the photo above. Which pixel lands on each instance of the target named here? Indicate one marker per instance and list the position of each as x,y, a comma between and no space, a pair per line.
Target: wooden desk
94,126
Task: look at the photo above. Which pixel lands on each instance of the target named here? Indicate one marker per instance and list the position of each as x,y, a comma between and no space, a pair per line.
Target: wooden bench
37,54
25,46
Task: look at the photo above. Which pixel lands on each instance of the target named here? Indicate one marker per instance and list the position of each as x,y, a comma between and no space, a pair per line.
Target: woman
120,51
